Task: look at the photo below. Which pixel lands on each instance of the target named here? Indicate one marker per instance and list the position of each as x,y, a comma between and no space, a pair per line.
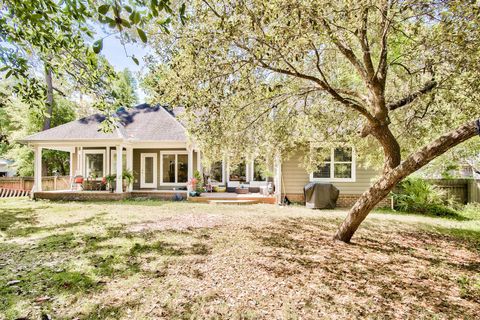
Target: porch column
80,161
72,169
225,171
107,161
199,161
37,169
119,187
278,179
190,163
130,166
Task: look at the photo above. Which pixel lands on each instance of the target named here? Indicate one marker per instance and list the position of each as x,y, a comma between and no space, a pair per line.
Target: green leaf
9,73
36,16
128,8
142,35
182,10
98,46
103,9
126,24
135,60
135,17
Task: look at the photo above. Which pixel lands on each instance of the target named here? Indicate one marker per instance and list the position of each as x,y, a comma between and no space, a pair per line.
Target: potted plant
110,179
127,178
191,187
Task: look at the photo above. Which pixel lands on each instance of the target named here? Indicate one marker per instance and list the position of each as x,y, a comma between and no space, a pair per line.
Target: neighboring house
153,144
470,169
6,169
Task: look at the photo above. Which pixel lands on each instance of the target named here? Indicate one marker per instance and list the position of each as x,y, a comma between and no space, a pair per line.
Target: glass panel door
148,170
182,170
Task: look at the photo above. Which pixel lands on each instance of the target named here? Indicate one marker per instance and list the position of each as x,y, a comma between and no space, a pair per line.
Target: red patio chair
77,181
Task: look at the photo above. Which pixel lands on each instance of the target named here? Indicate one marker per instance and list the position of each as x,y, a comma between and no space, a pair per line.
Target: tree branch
367,58
212,9
388,181
347,102
59,91
429,86
346,51
382,63
336,92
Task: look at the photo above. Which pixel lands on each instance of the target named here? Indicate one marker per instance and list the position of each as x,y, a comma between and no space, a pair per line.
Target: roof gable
141,123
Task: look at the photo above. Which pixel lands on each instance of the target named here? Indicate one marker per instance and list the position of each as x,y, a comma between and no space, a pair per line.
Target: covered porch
154,167
159,170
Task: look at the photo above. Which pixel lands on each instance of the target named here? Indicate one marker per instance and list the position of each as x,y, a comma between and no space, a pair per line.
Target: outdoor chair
77,182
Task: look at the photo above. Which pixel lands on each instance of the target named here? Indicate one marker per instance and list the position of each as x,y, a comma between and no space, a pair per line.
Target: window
113,161
239,173
174,167
216,172
94,163
259,170
339,166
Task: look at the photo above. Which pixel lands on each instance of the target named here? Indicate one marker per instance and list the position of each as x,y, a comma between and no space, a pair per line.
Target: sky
115,53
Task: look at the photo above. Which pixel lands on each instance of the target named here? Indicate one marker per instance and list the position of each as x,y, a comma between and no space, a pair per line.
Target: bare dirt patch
181,222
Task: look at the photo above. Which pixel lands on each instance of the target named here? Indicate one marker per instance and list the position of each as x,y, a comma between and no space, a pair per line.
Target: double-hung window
174,167
339,166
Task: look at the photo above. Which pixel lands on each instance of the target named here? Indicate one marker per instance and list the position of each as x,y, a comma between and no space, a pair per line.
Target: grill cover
320,195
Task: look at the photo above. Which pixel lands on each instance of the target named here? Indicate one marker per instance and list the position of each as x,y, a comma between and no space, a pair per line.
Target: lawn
177,260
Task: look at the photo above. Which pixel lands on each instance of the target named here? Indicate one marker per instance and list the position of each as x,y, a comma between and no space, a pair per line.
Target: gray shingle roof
141,123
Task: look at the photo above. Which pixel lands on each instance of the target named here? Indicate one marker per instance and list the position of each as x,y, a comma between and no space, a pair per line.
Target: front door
148,170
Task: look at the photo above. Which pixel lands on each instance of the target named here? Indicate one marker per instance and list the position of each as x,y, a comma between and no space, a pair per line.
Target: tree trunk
370,198
47,121
390,146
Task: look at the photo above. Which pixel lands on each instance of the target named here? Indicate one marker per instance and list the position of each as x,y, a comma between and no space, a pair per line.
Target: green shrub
418,196
471,211
198,177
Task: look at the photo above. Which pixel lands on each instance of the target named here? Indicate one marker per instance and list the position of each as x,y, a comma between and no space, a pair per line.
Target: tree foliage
124,89
19,120
57,35
273,73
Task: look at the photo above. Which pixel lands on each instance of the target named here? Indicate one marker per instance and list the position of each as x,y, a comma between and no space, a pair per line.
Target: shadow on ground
397,270
33,271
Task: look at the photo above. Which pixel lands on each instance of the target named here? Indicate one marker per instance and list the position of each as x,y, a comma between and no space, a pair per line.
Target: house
152,143
6,169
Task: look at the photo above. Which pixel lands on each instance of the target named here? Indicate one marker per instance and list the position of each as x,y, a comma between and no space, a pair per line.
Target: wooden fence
463,190
474,191
12,186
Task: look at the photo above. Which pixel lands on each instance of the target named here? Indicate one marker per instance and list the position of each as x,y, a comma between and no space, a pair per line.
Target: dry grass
161,260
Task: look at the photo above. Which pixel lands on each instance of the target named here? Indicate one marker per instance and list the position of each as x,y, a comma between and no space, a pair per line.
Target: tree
18,120
124,89
56,33
397,79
